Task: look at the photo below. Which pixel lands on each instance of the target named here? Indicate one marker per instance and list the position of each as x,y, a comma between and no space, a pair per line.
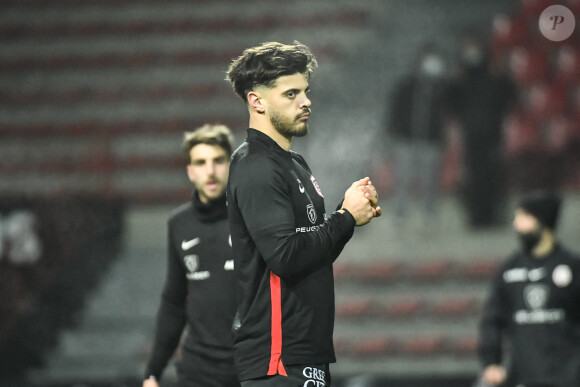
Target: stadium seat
507,32
560,131
520,134
545,100
401,309
527,66
567,66
422,346
375,346
432,270
532,9
453,308
483,269
466,346
354,309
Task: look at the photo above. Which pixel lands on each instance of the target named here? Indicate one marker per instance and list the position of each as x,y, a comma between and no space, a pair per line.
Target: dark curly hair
262,65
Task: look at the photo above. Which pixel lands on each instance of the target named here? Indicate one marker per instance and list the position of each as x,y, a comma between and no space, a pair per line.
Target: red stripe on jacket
276,366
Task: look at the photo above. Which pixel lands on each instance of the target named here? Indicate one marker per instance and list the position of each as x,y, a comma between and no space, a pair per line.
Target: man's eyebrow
295,90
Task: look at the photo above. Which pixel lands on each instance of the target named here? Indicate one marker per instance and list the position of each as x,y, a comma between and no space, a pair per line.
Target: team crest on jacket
316,186
562,276
536,296
311,213
191,262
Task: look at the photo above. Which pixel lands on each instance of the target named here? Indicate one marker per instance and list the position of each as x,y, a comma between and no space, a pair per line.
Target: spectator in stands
284,242
417,129
534,303
199,289
481,97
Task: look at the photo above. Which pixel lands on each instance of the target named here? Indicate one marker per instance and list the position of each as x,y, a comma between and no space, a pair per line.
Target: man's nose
210,168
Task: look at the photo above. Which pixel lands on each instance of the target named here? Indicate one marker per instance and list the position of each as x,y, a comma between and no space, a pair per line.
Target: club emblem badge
536,296
191,262
311,213
316,186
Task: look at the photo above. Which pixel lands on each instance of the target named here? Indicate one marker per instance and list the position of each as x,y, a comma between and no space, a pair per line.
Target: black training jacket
535,304
284,245
199,288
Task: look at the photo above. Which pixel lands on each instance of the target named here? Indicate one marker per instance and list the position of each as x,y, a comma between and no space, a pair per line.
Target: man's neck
545,246
261,124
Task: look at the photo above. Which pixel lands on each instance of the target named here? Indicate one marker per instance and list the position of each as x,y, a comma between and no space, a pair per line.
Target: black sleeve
171,315
493,323
263,198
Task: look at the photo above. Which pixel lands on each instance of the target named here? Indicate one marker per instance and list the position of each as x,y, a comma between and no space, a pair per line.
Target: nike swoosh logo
536,274
300,186
186,245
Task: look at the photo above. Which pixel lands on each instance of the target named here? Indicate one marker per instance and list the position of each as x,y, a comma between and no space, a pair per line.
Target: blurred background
95,96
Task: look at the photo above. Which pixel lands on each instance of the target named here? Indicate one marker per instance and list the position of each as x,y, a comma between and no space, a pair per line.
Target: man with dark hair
283,241
535,303
199,289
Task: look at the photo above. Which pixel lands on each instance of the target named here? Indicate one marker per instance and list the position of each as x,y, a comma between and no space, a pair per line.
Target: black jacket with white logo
535,304
199,288
284,246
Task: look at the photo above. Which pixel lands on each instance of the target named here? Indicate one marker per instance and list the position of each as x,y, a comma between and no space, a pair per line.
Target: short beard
287,128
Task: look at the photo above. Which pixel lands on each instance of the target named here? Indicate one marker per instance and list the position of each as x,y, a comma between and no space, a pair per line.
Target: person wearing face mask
534,304
417,129
481,97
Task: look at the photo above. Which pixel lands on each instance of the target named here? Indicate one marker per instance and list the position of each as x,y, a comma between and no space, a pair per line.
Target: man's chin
213,195
301,132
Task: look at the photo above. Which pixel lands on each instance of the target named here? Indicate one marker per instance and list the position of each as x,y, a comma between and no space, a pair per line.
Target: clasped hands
361,200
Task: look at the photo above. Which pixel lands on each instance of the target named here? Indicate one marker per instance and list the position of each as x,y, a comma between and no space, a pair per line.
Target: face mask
529,240
432,66
472,56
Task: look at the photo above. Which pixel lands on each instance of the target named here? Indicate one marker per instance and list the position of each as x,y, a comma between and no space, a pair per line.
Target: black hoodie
199,287
535,304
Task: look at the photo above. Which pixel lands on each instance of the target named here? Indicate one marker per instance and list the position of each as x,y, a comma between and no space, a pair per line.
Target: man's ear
190,173
255,102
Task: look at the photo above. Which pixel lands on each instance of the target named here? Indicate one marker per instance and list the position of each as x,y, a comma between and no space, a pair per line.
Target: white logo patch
311,213
300,186
186,245
562,276
515,275
191,262
536,296
316,186
229,265
536,274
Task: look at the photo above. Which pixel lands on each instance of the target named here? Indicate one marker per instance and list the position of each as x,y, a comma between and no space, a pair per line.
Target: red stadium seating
545,100
528,66
567,66
520,134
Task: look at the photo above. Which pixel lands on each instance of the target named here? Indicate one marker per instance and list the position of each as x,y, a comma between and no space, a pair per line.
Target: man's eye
291,94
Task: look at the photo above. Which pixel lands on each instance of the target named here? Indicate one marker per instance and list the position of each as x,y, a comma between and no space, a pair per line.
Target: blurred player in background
199,289
535,304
